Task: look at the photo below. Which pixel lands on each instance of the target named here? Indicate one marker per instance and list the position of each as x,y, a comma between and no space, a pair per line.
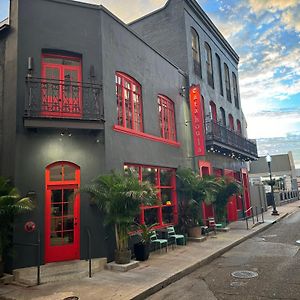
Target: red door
62,219
61,90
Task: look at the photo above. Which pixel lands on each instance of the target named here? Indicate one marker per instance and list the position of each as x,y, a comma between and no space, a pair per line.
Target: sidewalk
160,270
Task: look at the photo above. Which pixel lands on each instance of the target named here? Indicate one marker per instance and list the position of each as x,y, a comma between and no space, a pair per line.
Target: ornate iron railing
222,135
62,99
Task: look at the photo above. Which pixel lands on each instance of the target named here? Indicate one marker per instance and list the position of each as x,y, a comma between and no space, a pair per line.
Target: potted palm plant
194,189
119,197
11,205
227,188
142,248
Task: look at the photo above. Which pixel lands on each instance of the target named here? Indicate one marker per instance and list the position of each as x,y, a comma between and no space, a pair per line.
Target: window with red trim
129,102
239,127
231,122
166,118
213,111
164,180
61,86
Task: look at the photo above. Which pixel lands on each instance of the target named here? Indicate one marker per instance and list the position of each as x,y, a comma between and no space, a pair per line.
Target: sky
266,36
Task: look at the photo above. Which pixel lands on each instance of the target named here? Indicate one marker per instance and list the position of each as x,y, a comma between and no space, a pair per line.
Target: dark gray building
183,31
81,94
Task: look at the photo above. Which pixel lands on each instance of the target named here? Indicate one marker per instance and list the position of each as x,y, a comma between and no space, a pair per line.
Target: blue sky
266,35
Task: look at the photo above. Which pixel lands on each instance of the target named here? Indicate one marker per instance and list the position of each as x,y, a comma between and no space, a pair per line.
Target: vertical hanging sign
197,120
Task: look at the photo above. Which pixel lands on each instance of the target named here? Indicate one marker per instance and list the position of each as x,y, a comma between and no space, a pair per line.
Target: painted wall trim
143,135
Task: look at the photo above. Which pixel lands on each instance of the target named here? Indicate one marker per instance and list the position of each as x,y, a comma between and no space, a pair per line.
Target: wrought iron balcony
229,141
62,100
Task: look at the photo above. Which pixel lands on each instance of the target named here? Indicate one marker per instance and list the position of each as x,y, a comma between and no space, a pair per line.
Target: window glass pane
62,61
69,172
68,230
56,173
149,174
134,170
165,177
167,214
166,196
68,206
151,216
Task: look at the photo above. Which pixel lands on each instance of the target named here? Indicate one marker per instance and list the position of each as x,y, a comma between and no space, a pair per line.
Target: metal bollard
262,215
252,215
256,212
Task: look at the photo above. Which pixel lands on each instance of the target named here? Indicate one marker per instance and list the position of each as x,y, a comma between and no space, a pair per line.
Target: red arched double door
62,212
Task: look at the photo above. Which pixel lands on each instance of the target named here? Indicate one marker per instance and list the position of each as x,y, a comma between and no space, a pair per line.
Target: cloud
129,10
291,20
258,6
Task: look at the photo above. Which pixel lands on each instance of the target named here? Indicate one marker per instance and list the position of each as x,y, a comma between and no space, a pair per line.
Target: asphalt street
273,254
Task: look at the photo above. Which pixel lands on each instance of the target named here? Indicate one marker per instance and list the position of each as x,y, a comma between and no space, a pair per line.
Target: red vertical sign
197,120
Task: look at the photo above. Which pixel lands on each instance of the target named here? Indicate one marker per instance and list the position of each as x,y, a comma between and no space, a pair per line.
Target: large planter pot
194,232
141,251
123,256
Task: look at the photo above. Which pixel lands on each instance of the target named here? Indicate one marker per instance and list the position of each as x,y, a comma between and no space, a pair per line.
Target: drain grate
71,298
244,274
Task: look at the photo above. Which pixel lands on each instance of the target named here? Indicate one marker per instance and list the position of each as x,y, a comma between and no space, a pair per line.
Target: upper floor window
223,117
235,91
213,111
231,122
209,65
227,83
196,53
220,74
129,102
166,118
238,127
61,86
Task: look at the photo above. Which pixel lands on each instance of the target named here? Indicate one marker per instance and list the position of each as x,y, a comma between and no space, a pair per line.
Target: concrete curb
158,286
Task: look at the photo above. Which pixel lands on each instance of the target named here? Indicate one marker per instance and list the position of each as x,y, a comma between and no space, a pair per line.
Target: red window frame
166,110
130,110
163,204
63,106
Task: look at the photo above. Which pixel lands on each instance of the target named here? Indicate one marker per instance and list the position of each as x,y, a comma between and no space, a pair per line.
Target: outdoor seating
160,242
211,224
175,237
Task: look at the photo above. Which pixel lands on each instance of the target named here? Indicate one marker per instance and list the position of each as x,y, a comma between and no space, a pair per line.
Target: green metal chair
173,236
160,242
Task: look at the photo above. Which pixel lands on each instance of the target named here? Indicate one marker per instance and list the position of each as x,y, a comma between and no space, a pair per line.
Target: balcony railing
216,133
48,98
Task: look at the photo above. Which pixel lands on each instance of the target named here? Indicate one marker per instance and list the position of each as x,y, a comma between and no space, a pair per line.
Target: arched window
166,118
238,127
209,65
220,74
235,91
223,117
196,52
213,111
227,83
231,122
129,102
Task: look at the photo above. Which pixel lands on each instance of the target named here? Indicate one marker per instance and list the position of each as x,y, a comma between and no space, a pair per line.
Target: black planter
141,251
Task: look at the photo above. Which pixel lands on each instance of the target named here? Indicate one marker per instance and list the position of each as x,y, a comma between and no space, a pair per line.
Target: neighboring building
282,169
82,94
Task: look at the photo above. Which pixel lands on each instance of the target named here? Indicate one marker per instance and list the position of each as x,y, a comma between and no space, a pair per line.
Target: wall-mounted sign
197,120
29,226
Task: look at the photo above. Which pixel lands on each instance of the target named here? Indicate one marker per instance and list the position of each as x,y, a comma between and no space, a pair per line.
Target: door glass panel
62,217
71,92
56,173
69,172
